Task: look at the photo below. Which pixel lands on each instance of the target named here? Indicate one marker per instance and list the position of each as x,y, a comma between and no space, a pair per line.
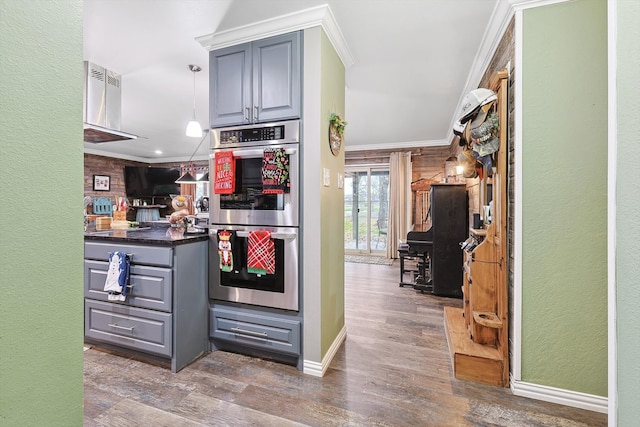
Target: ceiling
413,61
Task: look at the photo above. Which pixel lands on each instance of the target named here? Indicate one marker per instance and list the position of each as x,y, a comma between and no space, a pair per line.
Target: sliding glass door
366,209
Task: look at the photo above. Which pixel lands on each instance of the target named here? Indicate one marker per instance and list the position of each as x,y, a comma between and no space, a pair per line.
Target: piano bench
406,254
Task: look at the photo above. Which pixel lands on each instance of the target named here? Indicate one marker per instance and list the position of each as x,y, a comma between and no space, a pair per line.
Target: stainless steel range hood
102,105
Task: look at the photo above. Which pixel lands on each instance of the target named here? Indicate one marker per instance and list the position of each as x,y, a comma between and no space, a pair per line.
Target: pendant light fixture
186,177
193,127
204,178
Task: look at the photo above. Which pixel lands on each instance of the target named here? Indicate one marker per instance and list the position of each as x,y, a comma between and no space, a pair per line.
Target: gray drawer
256,330
150,286
149,255
136,328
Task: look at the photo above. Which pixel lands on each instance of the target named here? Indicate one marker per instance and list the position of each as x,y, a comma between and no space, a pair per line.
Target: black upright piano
448,224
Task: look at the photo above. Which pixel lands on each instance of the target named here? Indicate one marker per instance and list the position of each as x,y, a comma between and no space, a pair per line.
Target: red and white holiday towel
261,253
224,178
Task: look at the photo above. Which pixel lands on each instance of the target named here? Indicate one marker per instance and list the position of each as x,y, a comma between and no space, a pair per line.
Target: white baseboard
560,396
318,369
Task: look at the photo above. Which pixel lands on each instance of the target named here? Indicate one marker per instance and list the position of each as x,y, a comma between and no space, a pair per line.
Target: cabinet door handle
244,331
126,328
255,113
246,114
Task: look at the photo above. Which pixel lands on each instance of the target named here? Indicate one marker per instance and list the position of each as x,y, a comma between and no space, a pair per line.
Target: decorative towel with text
224,179
261,253
275,171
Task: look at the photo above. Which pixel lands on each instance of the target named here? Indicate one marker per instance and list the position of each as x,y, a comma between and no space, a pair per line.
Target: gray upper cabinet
256,82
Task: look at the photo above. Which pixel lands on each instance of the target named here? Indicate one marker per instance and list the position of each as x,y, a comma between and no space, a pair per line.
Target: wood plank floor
392,370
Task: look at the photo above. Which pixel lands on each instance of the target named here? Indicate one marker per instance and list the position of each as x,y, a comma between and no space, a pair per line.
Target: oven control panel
268,133
257,134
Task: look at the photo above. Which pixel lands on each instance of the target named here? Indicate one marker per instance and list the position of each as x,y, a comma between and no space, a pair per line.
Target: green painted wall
564,196
323,207
628,206
41,174
331,198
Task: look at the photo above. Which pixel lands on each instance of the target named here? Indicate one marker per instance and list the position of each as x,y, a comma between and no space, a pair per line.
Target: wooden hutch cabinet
477,334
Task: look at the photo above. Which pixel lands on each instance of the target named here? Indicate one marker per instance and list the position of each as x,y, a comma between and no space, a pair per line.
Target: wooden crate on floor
471,361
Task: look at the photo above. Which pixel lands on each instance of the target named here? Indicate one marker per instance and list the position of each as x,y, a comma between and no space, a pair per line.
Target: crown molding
395,145
528,4
498,23
300,20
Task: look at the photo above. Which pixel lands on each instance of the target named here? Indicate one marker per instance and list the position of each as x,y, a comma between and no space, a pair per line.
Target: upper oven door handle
258,152
274,235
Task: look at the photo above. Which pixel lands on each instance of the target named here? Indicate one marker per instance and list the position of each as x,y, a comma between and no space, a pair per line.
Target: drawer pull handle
126,328
244,331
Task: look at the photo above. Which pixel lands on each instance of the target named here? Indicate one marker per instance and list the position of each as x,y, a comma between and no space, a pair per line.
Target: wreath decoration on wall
336,133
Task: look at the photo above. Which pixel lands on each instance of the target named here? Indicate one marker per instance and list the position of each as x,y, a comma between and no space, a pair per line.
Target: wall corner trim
560,396
318,369
299,20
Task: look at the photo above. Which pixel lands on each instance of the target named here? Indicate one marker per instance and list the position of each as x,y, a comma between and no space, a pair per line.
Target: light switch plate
327,177
340,180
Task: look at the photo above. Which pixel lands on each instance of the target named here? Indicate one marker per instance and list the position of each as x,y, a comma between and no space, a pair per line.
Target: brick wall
109,166
114,169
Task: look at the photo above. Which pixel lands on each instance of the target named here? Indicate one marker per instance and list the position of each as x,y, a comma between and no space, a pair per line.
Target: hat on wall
481,115
458,128
484,139
473,101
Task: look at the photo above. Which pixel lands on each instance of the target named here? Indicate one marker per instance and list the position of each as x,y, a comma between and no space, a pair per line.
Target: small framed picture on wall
101,182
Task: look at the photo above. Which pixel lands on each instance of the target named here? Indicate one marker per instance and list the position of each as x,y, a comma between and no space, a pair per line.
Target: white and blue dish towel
117,276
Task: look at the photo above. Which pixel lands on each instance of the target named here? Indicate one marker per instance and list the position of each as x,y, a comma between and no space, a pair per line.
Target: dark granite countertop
154,234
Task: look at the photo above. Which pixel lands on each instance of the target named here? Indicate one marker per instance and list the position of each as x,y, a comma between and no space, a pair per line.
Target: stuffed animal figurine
180,204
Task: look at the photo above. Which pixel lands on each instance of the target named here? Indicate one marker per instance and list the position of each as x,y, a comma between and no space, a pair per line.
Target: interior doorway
366,209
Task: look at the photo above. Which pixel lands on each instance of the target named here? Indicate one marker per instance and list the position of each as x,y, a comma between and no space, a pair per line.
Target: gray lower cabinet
243,327
256,82
148,331
165,314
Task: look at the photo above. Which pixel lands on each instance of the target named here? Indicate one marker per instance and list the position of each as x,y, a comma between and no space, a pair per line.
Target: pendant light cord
194,94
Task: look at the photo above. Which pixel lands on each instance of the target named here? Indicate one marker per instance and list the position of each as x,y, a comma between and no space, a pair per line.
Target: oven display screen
271,133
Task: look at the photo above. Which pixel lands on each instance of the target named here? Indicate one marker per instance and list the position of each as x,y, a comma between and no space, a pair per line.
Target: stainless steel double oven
249,209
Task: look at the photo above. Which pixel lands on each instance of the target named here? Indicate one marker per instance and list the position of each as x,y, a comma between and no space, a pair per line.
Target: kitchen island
164,317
